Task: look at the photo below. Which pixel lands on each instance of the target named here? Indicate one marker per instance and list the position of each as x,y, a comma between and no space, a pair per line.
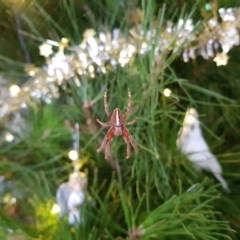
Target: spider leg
103,124
130,123
108,155
106,105
105,145
129,141
129,106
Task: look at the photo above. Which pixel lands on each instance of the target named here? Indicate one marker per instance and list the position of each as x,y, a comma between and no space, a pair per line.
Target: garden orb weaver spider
118,127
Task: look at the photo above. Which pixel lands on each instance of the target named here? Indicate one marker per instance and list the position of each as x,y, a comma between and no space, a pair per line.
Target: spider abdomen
118,131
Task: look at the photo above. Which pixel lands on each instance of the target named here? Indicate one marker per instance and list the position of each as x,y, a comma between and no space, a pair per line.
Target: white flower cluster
103,52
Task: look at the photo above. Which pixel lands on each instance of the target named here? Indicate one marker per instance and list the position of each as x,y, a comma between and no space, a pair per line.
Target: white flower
45,50
221,59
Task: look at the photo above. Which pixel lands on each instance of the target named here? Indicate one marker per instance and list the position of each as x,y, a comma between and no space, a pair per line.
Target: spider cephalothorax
117,126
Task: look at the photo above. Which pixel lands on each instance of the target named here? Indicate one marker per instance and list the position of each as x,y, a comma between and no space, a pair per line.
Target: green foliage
157,191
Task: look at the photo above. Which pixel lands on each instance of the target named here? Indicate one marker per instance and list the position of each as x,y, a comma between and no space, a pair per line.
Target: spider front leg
106,105
129,106
105,145
129,141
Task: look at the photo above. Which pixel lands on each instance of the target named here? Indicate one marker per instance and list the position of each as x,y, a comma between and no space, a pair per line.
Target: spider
117,126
